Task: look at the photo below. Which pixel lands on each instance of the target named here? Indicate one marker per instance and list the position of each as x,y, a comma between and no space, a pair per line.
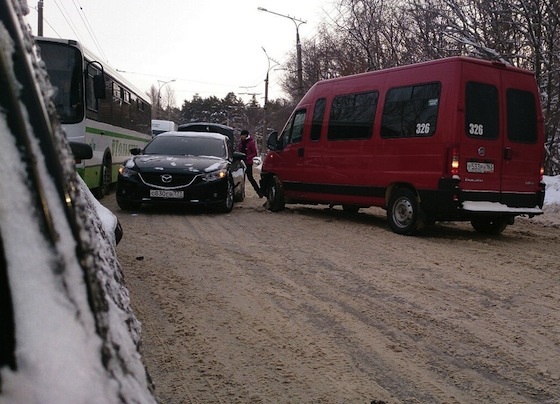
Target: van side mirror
136,151
272,141
99,86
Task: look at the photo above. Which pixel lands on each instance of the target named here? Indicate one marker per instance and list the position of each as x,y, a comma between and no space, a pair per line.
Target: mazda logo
166,178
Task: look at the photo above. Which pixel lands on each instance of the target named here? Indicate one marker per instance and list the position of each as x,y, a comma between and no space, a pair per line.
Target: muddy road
312,305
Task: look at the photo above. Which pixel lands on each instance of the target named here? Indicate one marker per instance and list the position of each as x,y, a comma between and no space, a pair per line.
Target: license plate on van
158,193
475,167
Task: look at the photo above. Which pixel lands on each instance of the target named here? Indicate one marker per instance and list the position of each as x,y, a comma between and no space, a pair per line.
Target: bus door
481,146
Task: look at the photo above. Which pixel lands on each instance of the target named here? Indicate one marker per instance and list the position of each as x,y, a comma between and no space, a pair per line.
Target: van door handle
508,153
300,152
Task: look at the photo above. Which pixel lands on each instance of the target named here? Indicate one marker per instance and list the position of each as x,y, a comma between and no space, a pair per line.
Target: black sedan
190,168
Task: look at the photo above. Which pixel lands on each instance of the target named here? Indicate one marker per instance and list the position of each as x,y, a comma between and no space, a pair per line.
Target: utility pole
40,18
265,122
161,84
297,22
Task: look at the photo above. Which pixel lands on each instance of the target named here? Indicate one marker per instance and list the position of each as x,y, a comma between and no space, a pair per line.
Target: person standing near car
247,146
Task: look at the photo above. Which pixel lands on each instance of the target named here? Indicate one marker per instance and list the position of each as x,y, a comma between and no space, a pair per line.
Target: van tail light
454,160
541,173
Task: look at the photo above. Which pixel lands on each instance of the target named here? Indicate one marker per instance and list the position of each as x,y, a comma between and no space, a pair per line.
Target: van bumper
450,202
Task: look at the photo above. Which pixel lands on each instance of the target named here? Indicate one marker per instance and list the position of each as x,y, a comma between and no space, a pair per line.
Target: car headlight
125,171
215,175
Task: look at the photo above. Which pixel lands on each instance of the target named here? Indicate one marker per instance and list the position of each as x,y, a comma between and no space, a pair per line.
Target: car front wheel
227,204
128,205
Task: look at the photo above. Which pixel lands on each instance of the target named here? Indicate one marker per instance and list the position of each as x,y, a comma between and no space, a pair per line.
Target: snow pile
552,195
551,208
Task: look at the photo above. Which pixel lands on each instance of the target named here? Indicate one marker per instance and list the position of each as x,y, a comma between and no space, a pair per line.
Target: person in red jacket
247,146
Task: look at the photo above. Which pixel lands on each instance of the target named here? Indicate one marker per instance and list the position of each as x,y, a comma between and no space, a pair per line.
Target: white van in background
159,126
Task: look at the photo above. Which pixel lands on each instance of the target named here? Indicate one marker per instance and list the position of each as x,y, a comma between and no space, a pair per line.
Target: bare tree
375,34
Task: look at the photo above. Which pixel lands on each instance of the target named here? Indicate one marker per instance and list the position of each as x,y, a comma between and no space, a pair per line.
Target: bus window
521,116
64,67
482,111
411,111
91,100
352,116
318,115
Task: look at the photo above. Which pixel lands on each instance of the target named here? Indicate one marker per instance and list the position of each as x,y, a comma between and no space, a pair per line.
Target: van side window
297,130
481,110
352,116
318,115
293,131
521,116
411,111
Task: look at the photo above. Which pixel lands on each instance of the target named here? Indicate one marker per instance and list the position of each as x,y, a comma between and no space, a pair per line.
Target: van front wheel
275,195
404,213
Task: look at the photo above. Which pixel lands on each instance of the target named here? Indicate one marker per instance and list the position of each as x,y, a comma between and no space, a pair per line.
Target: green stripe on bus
115,134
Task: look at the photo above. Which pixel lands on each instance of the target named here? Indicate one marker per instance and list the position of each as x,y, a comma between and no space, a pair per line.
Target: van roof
453,59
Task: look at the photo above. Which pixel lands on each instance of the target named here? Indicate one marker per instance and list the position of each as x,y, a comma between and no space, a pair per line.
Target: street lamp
265,123
297,22
162,83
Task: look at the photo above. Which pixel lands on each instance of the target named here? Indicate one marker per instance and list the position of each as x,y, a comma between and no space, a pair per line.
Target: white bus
159,126
96,106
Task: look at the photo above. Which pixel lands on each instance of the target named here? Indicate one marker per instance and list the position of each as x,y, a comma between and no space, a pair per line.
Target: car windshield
185,145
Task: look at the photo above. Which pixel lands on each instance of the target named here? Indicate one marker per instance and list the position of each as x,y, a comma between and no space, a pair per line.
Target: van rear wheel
490,225
404,213
275,195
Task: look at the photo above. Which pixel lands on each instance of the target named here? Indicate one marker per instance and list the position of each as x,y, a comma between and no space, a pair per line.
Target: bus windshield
64,66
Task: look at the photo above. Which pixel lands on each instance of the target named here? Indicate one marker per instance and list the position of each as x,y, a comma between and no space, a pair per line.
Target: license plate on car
160,193
475,167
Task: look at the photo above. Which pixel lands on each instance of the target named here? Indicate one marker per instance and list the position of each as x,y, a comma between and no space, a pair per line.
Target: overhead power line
68,20
89,29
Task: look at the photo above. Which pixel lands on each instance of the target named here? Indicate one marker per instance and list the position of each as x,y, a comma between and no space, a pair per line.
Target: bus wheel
403,213
490,225
275,195
106,177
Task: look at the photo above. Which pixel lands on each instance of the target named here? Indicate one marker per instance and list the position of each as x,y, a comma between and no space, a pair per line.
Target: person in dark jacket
247,146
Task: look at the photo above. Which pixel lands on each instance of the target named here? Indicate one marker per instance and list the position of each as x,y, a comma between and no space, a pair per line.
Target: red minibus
456,139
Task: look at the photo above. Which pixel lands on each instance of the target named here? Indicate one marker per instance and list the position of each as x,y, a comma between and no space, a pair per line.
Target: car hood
194,164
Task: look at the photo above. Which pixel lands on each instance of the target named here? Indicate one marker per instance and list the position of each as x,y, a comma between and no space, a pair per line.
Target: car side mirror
272,141
238,156
136,151
81,151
